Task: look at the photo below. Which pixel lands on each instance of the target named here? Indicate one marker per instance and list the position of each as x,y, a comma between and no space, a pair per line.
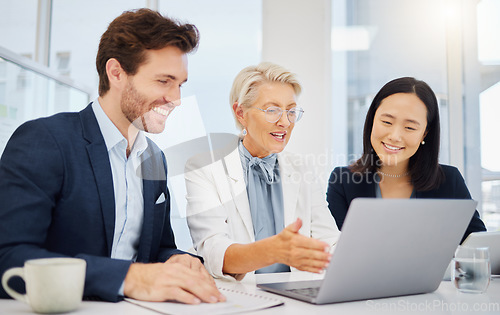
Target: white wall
296,35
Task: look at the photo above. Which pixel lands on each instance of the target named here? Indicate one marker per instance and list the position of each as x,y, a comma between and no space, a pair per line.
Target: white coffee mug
53,285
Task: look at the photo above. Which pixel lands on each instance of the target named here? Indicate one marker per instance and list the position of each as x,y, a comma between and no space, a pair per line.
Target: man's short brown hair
132,33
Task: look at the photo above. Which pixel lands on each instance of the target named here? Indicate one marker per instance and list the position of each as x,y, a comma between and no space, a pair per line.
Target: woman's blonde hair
247,82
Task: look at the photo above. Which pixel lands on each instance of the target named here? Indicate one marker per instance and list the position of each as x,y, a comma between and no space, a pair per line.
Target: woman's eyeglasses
274,113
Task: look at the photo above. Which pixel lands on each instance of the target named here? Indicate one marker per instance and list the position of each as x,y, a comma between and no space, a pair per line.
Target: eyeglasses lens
273,114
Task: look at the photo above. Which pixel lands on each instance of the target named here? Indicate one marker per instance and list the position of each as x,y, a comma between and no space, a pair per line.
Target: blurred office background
343,51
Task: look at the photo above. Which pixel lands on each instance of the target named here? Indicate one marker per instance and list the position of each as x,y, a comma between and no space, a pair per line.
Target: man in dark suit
91,185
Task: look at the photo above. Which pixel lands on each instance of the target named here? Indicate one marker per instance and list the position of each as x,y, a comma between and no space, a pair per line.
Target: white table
445,300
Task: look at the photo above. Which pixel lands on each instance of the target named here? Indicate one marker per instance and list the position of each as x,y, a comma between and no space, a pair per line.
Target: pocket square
160,199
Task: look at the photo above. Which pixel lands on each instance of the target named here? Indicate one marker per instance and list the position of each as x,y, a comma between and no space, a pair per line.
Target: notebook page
236,302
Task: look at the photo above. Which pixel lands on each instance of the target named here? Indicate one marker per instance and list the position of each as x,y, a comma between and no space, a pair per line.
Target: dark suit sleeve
461,191
32,179
336,195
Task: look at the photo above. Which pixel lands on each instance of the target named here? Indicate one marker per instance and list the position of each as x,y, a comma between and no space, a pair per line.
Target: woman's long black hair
424,168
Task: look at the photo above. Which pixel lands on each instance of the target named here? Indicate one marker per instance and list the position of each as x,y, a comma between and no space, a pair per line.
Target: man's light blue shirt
127,184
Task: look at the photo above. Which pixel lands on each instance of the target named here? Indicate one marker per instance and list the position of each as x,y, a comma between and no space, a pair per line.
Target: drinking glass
472,270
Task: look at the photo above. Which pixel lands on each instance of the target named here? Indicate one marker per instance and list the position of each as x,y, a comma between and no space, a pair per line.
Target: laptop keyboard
312,292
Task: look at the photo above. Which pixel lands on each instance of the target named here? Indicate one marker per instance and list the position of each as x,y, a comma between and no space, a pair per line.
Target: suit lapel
99,159
290,188
237,185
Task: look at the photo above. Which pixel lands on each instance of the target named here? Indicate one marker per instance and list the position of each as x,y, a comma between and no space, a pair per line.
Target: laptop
388,247
487,239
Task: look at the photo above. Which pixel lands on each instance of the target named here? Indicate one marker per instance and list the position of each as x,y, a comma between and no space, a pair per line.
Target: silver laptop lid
392,247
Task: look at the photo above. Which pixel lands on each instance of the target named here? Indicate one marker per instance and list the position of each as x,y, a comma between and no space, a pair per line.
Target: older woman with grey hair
252,211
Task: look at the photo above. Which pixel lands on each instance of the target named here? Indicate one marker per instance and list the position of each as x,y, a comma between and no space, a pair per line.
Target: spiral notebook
236,302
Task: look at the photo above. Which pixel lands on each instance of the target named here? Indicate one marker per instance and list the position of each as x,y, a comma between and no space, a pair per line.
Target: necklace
394,176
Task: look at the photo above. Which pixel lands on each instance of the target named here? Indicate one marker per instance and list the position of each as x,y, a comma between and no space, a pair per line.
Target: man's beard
133,106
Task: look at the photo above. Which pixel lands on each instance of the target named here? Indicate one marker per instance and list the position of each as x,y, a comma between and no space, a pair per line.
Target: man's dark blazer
344,186
57,200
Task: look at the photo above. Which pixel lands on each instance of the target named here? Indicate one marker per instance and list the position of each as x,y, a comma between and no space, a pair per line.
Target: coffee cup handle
19,271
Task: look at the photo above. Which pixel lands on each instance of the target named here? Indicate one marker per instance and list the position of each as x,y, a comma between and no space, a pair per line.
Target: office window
3,69
26,94
374,42
488,32
18,25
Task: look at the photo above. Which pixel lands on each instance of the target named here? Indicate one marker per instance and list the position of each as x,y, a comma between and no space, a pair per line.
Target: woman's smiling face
399,126
264,138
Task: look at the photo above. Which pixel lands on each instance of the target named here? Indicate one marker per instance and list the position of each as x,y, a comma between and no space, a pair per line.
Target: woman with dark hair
400,154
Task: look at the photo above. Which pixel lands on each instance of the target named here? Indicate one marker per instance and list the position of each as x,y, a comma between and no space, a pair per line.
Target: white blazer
218,211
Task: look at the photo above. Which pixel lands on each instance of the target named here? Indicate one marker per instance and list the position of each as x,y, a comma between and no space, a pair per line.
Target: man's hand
301,252
179,279
192,263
